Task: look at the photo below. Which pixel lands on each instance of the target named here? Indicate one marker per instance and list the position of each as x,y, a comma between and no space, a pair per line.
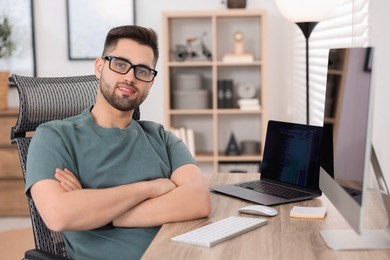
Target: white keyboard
220,231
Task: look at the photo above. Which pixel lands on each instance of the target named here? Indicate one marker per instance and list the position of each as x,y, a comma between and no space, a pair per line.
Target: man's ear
99,62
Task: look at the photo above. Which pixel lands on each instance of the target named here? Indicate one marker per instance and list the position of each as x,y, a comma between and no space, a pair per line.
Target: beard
123,103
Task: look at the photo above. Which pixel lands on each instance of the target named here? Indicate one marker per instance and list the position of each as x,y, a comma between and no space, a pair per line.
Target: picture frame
89,21
21,18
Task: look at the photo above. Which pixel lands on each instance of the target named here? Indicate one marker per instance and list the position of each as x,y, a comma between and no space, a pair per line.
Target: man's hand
68,181
190,199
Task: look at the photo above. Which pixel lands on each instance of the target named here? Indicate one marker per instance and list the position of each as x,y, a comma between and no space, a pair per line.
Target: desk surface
283,237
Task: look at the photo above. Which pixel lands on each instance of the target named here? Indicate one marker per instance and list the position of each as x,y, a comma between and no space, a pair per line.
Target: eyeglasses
122,66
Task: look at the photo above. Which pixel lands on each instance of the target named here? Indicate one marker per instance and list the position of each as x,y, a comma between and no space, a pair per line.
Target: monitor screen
348,92
346,146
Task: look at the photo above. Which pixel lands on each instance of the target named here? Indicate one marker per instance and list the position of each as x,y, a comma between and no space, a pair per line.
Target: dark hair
141,35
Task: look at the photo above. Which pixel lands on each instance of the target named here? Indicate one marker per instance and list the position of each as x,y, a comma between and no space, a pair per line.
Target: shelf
329,120
248,158
204,157
221,111
235,64
194,103
190,64
191,111
12,111
209,64
335,72
237,111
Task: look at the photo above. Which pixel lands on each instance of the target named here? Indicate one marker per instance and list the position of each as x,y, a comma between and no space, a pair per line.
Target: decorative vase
4,75
236,3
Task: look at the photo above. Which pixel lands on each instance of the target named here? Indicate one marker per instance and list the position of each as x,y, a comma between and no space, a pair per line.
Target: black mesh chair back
41,100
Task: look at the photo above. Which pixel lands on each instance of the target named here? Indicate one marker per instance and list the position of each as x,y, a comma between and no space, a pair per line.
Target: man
107,181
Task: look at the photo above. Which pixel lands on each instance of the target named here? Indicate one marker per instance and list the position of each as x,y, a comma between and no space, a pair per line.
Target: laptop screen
291,154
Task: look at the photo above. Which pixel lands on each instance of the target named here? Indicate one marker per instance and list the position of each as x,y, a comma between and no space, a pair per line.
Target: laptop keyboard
271,189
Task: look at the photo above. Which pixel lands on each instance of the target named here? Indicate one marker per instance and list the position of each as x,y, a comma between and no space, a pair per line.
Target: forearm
190,200
81,209
86,208
177,205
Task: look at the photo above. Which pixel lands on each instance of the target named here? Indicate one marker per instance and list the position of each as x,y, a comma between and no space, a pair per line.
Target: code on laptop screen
292,154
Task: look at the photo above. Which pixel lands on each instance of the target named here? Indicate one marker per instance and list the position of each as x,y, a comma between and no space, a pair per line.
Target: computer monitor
348,154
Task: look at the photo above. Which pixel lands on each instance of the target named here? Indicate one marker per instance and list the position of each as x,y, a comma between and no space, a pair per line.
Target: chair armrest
35,254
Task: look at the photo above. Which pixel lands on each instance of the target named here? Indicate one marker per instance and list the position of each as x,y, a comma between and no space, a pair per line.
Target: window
349,26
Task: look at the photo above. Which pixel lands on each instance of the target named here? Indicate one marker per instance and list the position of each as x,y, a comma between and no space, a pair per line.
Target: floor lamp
306,14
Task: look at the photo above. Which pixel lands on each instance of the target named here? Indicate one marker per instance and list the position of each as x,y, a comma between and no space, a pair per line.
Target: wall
52,59
381,122
52,55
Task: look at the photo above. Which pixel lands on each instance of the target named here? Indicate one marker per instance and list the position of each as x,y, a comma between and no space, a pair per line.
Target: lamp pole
307,28
306,14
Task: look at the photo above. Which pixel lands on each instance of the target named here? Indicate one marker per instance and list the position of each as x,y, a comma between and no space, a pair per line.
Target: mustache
126,84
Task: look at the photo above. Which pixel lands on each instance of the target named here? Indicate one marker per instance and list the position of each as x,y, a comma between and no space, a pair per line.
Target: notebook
290,166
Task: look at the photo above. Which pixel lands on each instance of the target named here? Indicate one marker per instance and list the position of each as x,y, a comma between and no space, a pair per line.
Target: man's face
124,92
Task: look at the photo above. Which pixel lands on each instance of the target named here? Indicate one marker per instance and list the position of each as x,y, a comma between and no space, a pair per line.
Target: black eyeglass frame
132,66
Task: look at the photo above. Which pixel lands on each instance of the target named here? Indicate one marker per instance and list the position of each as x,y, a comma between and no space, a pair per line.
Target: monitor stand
348,239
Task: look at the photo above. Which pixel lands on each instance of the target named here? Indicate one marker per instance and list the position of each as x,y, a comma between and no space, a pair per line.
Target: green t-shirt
102,158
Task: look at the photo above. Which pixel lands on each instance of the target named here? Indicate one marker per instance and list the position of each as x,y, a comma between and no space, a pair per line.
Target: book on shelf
220,93
245,57
225,93
187,136
191,141
249,104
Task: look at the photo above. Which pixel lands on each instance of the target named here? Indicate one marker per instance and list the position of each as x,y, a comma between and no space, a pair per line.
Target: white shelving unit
212,125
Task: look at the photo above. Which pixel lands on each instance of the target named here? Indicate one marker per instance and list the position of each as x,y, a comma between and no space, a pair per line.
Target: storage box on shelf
215,81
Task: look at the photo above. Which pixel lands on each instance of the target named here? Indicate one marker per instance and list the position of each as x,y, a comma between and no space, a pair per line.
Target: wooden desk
283,237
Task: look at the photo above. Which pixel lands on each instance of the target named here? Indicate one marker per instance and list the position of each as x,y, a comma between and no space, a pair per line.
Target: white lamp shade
306,10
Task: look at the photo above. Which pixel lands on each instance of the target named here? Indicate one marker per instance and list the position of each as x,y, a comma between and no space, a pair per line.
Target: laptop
290,166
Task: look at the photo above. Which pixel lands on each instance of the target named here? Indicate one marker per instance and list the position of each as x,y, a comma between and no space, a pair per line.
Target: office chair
41,100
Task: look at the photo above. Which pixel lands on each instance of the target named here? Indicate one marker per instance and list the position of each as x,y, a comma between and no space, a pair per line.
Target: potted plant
6,49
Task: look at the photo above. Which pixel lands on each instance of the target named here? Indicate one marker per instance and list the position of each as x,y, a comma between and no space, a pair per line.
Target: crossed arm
64,205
